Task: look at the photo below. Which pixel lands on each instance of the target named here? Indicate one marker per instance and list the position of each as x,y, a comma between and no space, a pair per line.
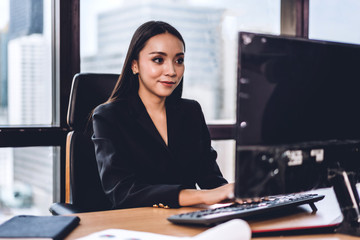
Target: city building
26,18
28,74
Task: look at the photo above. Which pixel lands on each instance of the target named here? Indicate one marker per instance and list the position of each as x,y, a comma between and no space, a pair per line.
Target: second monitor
298,113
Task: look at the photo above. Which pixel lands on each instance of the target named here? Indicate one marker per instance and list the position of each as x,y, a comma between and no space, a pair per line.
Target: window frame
295,18
65,36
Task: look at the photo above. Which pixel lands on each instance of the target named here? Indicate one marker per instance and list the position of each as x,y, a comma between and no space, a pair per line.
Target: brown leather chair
83,190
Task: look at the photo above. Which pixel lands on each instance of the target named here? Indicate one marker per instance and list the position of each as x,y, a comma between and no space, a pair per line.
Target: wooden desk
154,220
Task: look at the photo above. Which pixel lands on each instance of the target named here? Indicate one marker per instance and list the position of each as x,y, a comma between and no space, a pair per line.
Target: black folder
28,226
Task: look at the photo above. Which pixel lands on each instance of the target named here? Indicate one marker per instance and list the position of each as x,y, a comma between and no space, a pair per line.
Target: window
339,21
31,140
25,80
26,180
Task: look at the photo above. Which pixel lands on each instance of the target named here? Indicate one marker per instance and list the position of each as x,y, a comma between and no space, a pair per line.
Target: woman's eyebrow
165,54
160,53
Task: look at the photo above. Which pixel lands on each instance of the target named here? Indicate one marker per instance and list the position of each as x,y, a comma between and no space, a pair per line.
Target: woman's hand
221,194
225,193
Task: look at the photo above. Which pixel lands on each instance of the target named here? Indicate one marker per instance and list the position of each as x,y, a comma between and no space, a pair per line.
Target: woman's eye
158,60
180,61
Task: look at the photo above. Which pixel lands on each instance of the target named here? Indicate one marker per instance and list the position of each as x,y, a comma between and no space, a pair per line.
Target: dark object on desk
222,214
296,115
84,192
27,226
298,124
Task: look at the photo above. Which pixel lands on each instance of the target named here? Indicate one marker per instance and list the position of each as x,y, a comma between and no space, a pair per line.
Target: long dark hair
128,82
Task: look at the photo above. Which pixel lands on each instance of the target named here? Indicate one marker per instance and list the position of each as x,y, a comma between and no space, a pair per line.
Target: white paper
235,229
120,234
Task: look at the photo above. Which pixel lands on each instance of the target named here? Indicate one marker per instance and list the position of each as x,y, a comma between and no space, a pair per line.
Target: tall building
200,27
29,81
26,18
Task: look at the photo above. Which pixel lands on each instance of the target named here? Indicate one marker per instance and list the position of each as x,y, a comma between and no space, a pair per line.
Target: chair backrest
83,186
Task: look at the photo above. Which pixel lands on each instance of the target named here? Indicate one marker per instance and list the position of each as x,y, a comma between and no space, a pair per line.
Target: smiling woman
152,146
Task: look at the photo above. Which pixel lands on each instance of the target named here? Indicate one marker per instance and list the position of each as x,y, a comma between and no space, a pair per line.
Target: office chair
83,190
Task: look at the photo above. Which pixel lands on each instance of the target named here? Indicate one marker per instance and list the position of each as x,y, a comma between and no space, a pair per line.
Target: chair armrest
64,208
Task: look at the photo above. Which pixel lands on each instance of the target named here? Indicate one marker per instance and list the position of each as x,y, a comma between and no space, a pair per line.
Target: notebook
28,226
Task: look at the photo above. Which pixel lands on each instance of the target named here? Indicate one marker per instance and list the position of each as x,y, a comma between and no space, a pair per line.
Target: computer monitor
298,111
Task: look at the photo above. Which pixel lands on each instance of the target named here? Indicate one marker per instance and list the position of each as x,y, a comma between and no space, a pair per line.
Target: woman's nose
170,69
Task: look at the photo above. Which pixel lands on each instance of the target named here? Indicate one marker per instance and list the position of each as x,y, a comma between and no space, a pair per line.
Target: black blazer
137,168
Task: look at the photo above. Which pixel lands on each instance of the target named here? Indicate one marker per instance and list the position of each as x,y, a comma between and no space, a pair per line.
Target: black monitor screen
298,109
293,90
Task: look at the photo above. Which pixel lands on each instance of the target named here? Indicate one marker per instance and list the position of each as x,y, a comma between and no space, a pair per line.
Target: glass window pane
26,180
25,63
210,31
335,20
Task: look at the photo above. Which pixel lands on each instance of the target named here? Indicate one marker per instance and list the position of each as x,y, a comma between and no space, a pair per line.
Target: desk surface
154,220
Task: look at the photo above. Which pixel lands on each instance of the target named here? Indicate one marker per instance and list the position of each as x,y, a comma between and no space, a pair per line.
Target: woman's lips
167,83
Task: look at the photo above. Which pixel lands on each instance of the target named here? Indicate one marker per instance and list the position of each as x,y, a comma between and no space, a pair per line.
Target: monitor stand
348,199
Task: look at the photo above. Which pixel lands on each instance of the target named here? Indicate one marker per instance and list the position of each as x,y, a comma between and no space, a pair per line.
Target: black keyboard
263,205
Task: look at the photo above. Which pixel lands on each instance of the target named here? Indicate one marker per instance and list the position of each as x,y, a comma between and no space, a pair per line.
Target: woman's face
160,66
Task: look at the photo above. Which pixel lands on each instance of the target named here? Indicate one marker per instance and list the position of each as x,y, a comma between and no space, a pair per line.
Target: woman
151,145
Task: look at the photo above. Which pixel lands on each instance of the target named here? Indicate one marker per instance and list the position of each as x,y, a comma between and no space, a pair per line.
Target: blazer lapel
142,117
174,115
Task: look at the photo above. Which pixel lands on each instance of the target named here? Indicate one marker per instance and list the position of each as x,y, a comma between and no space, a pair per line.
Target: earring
134,73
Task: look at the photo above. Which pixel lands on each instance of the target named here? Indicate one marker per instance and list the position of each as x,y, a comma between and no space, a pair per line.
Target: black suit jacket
137,168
